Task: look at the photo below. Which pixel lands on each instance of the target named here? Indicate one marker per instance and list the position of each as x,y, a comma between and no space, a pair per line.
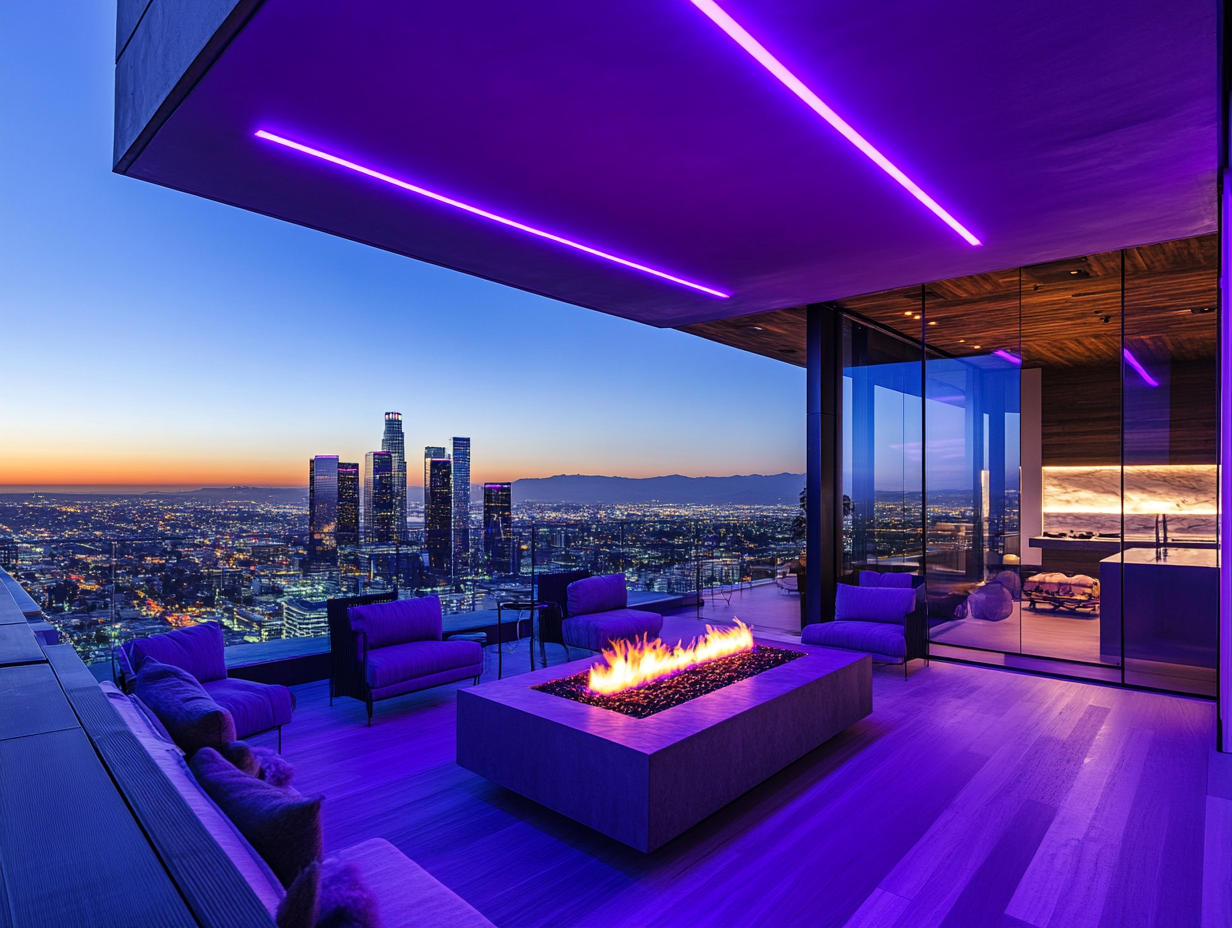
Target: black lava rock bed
672,691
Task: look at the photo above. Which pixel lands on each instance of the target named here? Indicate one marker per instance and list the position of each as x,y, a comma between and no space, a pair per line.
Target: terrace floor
970,797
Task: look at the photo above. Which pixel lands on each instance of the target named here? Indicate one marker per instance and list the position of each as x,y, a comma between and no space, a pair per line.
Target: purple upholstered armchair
384,649
255,707
886,621
596,614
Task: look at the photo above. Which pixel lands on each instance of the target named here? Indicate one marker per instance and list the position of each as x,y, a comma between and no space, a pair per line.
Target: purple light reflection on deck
1009,357
1133,362
796,86
457,204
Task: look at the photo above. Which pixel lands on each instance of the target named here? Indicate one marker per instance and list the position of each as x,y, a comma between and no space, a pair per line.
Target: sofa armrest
915,630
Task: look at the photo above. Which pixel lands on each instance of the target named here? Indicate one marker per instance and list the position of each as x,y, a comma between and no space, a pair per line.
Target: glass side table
518,606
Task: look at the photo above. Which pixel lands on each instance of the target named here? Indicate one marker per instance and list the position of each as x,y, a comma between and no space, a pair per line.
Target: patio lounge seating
886,622
255,707
384,649
593,612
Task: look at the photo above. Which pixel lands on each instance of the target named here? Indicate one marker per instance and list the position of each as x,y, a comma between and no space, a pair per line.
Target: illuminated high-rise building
461,476
380,499
347,532
498,545
394,442
323,508
438,510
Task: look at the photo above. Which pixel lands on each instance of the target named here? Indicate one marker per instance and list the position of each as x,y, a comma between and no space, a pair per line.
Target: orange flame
632,665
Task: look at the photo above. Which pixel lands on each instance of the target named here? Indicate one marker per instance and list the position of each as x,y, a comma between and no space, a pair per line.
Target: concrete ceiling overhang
1050,129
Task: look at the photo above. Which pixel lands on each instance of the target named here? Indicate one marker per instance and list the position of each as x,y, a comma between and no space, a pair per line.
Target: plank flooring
969,797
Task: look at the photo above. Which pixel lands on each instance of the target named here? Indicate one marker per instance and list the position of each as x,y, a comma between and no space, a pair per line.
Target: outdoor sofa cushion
197,649
883,640
598,630
170,761
398,622
390,665
255,707
190,714
597,594
283,826
894,580
407,895
873,604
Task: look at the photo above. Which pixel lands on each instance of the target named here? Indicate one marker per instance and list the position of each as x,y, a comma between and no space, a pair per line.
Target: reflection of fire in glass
632,665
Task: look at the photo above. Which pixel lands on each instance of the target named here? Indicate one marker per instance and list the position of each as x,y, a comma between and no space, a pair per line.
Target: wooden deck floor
970,797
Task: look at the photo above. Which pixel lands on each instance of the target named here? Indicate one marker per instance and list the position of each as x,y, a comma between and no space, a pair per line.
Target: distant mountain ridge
748,490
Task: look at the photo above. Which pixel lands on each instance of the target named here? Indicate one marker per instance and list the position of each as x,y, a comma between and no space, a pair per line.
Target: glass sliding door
882,453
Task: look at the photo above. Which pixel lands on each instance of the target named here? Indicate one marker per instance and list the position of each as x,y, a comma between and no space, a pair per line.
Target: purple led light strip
1009,357
796,86
457,204
1133,362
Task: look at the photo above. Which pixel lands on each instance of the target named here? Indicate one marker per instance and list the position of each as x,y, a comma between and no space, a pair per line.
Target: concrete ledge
645,781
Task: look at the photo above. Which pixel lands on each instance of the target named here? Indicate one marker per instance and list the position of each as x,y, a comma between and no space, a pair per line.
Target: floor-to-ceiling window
1039,445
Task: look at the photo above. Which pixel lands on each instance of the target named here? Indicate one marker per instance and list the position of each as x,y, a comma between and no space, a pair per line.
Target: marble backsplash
1088,499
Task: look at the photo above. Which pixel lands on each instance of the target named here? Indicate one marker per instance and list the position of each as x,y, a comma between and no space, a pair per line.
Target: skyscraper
348,504
498,527
394,442
461,505
438,510
380,499
323,508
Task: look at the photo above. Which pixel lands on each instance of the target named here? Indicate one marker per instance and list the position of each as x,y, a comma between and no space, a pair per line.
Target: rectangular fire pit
643,781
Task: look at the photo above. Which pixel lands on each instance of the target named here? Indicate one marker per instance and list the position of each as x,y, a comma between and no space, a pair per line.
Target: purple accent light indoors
797,86
1133,362
457,204
1005,355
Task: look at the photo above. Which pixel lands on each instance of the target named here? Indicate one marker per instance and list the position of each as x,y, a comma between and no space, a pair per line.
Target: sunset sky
153,338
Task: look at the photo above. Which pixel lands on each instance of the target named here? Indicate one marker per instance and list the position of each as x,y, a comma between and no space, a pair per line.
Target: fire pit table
643,781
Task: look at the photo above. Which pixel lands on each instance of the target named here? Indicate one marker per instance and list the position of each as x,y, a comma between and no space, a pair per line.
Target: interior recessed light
1073,273
916,316
907,313
933,322
961,340
757,328
975,346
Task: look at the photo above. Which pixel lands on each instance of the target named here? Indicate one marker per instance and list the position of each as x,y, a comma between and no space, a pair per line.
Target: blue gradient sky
150,337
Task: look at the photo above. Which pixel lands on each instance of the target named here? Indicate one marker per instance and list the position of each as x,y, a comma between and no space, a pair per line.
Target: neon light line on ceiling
796,86
458,204
1133,362
1009,357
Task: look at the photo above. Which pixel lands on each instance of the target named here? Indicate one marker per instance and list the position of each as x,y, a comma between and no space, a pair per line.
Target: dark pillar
823,501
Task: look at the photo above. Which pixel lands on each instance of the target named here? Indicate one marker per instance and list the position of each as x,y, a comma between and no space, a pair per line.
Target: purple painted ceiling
1049,129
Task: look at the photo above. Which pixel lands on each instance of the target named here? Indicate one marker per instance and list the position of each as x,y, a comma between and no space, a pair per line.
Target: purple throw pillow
190,715
398,622
282,826
330,894
197,649
155,723
597,594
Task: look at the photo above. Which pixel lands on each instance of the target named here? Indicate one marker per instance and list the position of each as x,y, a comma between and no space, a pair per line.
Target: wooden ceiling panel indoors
1070,310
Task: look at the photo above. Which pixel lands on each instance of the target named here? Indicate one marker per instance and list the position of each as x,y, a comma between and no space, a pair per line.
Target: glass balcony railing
264,586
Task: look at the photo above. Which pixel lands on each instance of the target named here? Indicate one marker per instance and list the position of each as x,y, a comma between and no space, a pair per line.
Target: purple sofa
255,707
596,614
386,649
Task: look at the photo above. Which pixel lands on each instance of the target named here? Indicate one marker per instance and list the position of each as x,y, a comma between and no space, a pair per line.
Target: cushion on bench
597,594
873,604
398,622
182,704
197,649
407,895
168,757
596,631
895,580
255,707
883,640
416,659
